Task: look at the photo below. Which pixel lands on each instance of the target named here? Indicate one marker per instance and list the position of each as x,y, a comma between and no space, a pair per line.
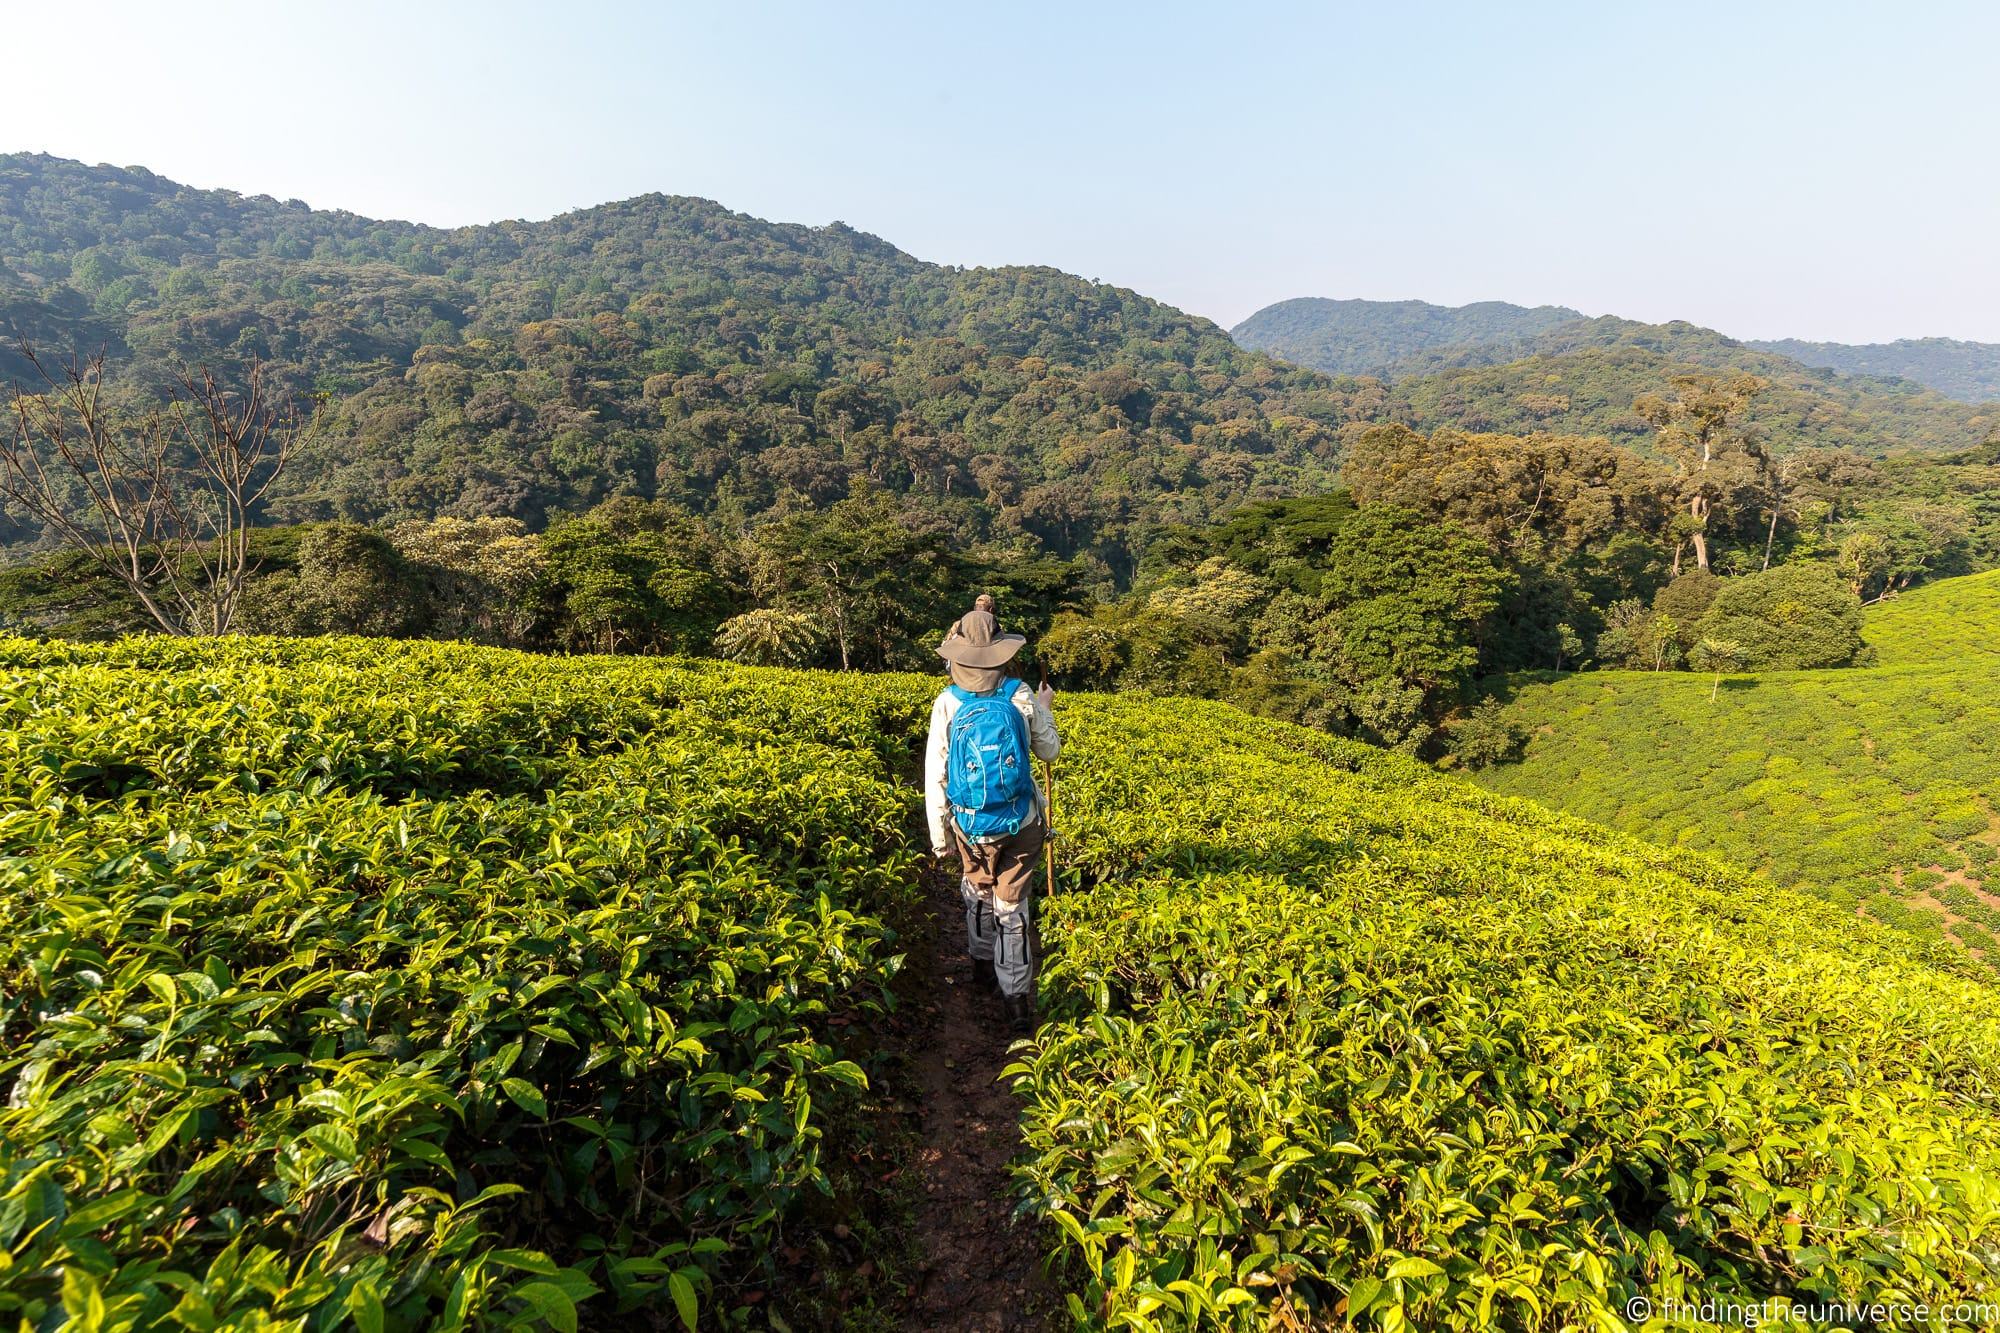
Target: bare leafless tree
163,499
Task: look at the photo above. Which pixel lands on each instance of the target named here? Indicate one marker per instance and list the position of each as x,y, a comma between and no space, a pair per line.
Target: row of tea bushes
405,985
1339,1039
1850,784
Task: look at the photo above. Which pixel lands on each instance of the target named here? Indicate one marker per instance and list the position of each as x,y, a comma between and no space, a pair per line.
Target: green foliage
1828,781
1560,493
65,593
1640,639
1163,643
1898,543
1587,385
1362,620
1087,649
68,593
1583,376
1216,591
1408,597
344,579
1715,656
1371,337
638,577
1586,524
428,986
473,988
483,579
770,638
1786,618
874,571
666,348
1333,1034
1956,620
1686,599
1284,541
1395,623
1485,734
878,575
1967,371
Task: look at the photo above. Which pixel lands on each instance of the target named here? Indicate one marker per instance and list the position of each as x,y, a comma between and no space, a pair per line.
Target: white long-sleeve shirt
1042,739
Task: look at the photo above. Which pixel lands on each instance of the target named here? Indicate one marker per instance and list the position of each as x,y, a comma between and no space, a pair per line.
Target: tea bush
424,986
1339,1040
411,986
1949,619
1829,781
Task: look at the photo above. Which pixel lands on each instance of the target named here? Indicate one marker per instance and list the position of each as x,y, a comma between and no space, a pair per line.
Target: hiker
983,602
987,729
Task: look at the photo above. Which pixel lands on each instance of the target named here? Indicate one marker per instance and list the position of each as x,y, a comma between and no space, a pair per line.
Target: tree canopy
1788,618
1492,367
667,348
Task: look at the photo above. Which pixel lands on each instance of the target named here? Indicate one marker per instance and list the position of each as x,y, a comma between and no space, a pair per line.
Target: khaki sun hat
976,641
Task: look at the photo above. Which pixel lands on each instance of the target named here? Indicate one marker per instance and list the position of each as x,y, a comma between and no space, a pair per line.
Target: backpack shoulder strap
1004,690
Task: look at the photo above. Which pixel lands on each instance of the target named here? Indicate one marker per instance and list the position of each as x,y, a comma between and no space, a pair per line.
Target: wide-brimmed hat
976,641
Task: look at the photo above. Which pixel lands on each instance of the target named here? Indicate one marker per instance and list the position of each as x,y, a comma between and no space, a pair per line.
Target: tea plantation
407,986
1342,1034
1954,620
1872,787
422,986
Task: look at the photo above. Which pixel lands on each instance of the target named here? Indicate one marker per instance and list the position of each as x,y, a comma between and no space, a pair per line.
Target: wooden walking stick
1049,833
1049,815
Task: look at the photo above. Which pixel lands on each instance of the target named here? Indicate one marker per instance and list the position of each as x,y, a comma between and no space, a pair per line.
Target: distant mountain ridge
1357,337
1964,370
1500,367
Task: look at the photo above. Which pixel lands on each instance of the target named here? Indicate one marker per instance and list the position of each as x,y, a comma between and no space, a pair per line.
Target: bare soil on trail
981,1269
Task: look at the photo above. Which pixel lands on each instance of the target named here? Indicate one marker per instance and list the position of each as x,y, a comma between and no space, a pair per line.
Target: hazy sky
1817,170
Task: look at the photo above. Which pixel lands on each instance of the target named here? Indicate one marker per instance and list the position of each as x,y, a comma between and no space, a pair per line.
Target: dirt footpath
980,1269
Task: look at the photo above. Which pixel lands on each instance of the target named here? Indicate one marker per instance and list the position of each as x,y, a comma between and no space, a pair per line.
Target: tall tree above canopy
875,569
1718,461
1556,492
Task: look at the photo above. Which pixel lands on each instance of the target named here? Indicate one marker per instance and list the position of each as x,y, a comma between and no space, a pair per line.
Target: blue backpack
989,780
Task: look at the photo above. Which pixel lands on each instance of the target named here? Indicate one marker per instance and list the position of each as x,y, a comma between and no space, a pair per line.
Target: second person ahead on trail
983,804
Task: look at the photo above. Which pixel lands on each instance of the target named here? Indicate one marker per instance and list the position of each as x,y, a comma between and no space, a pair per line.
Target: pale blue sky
1818,170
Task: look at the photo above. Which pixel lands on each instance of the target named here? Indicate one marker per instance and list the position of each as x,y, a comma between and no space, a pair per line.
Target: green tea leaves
427,1023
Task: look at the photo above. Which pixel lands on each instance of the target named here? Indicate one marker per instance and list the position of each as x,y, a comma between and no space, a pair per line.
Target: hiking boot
982,974
1020,1013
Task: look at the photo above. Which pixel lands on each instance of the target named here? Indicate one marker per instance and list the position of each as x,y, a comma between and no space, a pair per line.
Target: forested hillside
417,983
660,427
1522,370
1372,611
1873,787
1374,337
1585,377
665,347
1967,371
